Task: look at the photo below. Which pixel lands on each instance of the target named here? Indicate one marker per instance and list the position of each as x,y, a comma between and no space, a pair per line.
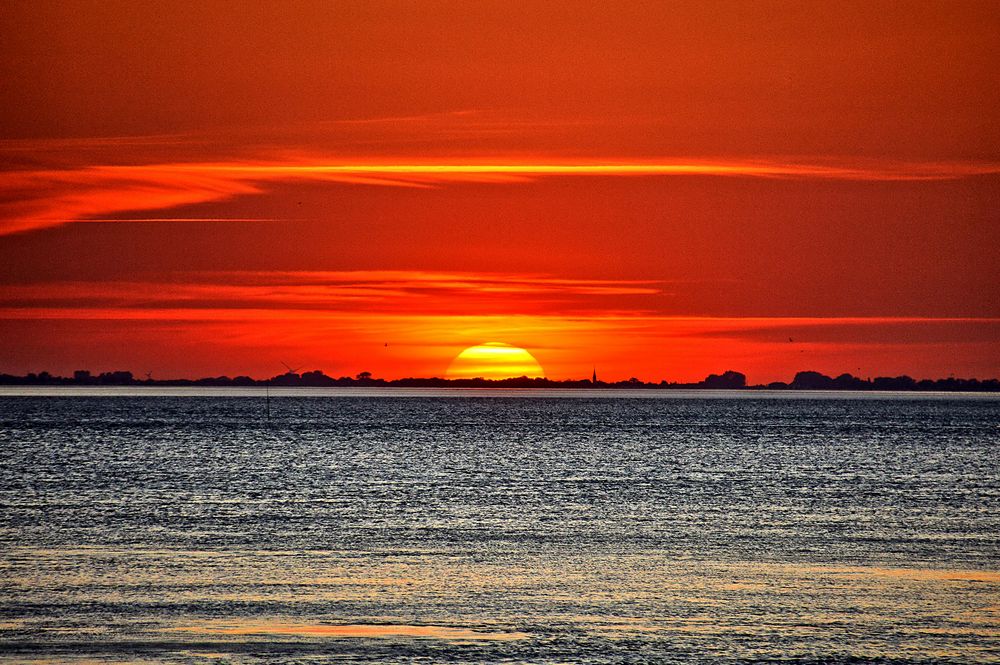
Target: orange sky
661,189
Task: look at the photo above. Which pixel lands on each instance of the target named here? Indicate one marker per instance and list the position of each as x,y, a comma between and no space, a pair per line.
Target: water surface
390,526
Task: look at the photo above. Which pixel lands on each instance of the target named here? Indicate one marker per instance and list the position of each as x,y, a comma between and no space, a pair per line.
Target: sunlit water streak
438,526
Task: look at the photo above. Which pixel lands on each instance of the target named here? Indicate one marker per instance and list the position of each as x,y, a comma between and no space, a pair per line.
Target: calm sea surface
455,526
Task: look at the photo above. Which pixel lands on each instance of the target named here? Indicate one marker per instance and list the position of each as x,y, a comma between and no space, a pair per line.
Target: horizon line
87,377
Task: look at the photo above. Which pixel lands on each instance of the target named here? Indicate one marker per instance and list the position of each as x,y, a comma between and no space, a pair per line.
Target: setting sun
494,360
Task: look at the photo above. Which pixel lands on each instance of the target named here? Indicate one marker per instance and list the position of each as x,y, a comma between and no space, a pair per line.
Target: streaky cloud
39,198
375,290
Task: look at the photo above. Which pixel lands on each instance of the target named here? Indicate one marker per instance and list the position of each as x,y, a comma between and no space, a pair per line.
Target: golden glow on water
707,603
207,654
990,576
354,630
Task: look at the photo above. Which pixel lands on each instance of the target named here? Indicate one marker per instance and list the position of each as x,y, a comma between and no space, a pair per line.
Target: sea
159,525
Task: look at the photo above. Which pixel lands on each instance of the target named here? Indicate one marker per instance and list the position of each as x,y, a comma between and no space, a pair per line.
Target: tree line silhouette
730,380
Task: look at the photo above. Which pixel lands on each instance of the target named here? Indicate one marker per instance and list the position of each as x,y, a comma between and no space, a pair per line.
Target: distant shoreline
730,380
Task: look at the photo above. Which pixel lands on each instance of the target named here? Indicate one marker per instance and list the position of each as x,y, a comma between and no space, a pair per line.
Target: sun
494,360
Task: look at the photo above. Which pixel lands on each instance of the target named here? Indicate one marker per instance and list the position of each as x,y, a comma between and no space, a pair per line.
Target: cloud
399,291
38,198
356,298
411,323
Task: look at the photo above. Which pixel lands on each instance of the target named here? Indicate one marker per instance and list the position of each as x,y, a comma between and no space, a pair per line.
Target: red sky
661,189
